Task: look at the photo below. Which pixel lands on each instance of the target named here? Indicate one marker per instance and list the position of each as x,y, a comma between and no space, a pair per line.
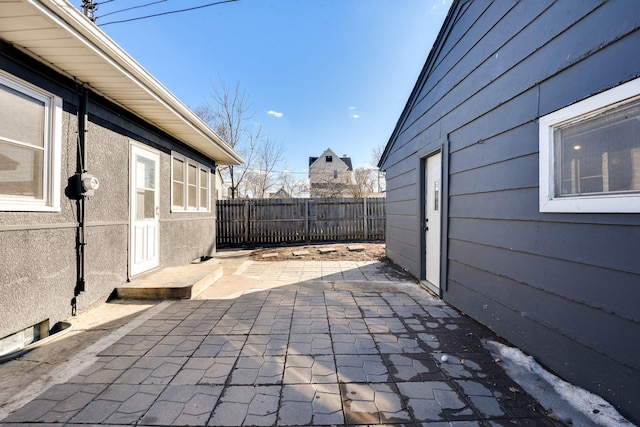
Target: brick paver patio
316,353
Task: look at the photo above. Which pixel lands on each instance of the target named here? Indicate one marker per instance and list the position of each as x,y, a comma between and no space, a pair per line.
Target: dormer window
328,159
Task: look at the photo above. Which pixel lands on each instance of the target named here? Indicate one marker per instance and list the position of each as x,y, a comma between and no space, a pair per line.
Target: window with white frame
590,154
30,140
190,183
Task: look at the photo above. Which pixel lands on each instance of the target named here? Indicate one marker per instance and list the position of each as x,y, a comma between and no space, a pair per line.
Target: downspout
84,185
83,118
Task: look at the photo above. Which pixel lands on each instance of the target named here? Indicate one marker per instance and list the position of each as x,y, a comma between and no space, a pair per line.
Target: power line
130,8
169,12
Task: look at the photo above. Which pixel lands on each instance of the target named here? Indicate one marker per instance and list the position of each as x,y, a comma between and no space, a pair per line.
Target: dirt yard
323,252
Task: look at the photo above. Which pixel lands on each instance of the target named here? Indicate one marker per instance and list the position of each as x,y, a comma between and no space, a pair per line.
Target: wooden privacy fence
261,221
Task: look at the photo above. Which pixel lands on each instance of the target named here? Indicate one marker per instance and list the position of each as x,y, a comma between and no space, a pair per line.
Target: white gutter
70,19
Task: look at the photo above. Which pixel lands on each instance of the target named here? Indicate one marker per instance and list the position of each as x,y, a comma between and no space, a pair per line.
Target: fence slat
273,221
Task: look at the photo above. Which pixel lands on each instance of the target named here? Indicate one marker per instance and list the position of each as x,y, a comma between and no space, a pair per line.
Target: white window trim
199,166
50,201
614,203
208,178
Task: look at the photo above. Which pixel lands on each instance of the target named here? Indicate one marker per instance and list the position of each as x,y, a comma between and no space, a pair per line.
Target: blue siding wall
563,287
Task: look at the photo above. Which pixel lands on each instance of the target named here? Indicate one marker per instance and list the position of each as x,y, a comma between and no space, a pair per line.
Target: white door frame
432,220
144,209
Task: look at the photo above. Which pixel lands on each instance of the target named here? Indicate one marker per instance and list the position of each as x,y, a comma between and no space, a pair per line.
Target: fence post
280,223
246,221
366,225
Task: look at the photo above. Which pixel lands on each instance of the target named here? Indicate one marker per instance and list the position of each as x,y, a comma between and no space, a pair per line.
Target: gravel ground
320,252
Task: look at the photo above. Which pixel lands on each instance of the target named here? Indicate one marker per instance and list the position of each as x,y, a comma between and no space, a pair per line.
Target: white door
144,176
433,206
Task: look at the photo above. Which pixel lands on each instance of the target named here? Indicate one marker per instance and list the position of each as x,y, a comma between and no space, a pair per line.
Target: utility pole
89,8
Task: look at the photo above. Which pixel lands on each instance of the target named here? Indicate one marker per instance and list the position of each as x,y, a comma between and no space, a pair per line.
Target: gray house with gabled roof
513,182
104,174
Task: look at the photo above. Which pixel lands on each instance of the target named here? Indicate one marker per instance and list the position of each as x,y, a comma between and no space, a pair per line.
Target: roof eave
442,35
202,138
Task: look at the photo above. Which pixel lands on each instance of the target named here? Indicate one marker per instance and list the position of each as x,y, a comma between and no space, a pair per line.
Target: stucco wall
37,277
38,259
37,249
184,236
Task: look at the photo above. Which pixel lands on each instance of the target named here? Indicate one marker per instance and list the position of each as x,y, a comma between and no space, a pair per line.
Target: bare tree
227,115
262,177
269,156
292,186
364,182
376,156
248,187
328,187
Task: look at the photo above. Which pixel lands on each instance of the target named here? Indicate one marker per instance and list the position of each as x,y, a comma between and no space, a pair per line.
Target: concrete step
183,282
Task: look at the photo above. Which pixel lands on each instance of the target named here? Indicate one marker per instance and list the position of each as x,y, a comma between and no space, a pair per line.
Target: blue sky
319,73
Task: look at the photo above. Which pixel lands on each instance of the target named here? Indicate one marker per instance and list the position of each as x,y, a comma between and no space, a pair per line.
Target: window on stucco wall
190,183
30,146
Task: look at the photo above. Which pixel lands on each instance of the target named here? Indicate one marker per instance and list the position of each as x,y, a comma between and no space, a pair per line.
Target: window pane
204,188
192,196
193,187
21,171
178,183
145,204
178,170
192,175
149,204
22,118
599,155
204,178
203,199
178,194
146,173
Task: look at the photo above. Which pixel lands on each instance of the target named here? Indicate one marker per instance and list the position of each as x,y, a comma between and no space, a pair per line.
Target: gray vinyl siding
563,287
402,220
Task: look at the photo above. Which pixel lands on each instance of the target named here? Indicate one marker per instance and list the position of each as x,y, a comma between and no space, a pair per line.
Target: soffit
57,34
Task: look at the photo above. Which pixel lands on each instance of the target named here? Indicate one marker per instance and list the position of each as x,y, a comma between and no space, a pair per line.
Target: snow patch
569,403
